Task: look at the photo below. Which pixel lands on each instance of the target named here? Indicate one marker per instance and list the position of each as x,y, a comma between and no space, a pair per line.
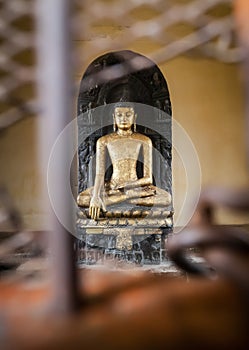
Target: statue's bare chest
124,148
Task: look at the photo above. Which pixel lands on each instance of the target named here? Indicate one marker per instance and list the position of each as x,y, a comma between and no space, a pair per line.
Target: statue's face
124,117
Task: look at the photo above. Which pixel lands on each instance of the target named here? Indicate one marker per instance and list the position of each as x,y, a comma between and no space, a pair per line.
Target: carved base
137,237
129,245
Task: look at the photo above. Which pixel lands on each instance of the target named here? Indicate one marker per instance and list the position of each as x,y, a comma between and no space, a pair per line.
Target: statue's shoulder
106,138
141,137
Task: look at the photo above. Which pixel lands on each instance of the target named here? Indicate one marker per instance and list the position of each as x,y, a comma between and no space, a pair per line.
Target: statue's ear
114,123
134,124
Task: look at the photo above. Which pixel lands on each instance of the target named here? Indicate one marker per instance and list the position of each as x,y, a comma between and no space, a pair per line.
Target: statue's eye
128,114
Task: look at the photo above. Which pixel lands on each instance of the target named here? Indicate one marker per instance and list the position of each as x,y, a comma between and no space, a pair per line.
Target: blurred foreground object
225,248
129,310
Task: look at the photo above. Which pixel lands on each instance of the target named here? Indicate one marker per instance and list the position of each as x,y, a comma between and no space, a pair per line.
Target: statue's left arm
146,180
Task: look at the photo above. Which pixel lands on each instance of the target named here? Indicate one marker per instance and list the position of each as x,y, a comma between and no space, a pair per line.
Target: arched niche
104,82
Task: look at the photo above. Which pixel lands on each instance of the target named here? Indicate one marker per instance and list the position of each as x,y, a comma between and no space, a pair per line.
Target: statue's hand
115,185
94,209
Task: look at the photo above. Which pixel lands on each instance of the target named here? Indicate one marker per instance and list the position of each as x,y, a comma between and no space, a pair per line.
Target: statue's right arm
96,202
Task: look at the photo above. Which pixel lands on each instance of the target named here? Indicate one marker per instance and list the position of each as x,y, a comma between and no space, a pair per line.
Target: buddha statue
124,146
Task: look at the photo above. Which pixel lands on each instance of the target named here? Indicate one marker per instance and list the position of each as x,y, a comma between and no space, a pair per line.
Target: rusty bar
241,11
55,88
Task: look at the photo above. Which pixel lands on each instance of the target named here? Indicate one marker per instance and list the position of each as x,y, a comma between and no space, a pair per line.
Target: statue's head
124,116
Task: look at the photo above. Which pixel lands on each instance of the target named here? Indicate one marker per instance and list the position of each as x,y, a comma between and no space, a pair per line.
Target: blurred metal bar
241,10
55,90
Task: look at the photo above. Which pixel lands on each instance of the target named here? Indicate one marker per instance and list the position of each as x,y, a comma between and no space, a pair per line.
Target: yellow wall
207,98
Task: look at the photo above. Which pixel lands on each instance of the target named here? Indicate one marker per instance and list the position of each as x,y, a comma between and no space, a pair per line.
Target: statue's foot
157,200
140,192
83,201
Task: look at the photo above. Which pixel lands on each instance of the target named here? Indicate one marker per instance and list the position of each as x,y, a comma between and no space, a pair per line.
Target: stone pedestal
140,240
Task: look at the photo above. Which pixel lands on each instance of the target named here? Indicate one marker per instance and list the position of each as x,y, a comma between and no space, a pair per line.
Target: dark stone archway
105,81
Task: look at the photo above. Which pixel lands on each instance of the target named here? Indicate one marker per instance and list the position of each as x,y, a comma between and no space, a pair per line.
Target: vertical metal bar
55,90
241,10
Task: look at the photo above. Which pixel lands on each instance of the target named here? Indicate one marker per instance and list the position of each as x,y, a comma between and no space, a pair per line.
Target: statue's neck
124,132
